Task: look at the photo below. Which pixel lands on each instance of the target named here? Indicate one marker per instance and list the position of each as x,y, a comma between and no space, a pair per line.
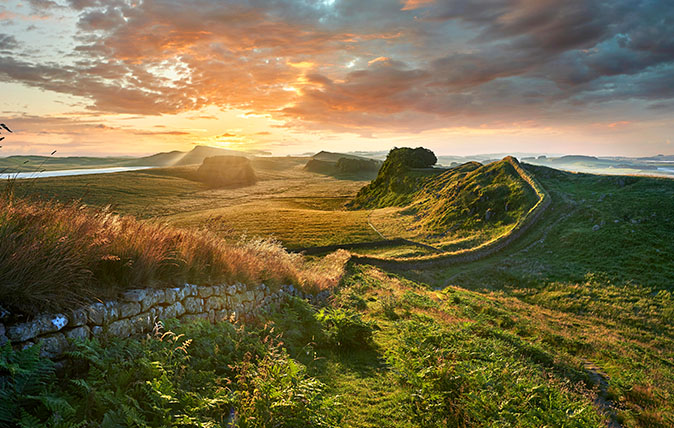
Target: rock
3,337
214,302
77,317
78,333
173,311
231,290
129,309
95,313
190,290
205,292
4,313
137,295
142,323
152,298
488,214
222,315
43,324
96,330
53,345
121,328
596,227
211,316
111,312
193,305
173,295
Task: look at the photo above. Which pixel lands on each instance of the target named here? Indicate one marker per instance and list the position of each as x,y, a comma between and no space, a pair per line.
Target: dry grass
55,255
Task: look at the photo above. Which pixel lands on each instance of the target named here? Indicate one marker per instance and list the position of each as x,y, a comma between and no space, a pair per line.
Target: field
299,208
570,325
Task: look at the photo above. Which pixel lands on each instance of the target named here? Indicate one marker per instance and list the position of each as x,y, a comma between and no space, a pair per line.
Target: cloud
426,64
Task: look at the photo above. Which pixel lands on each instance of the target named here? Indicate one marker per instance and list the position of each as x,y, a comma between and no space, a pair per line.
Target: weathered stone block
47,323
231,290
173,295
249,296
173,311
77,317
129,309
83,332
96,330
222,315
121,328
53,345
193,305
205,291
214,302
111,312
136,295
142,323
152,297
211,316
190,290
95,313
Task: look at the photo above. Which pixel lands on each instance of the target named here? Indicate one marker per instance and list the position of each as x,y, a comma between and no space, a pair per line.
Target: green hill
471,202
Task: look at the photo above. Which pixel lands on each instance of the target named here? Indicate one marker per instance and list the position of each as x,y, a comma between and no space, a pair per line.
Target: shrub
345,328
196,374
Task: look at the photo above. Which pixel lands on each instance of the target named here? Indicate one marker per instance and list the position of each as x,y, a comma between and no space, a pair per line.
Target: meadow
567,326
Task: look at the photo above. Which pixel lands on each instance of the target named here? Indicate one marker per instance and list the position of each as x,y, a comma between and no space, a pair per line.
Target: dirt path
602,402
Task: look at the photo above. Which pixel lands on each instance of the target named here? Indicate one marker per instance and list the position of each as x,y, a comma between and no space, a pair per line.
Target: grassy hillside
452,209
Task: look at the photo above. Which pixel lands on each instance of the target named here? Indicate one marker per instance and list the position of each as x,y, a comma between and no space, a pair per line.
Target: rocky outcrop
226,171
137,311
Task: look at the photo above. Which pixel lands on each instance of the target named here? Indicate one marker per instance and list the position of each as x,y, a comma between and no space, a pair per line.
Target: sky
134,77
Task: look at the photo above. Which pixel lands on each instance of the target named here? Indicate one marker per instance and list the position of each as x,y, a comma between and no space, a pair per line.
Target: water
68,172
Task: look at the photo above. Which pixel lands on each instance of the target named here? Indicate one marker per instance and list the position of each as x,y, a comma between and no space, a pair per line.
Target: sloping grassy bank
56,255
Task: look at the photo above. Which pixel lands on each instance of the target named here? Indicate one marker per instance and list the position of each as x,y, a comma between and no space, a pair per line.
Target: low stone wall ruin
136,312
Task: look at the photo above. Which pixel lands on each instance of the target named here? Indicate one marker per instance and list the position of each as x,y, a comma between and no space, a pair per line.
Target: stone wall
475,253
136,311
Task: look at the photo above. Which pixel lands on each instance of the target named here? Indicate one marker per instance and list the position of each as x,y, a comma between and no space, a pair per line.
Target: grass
56,255
454,209
296,207
570,325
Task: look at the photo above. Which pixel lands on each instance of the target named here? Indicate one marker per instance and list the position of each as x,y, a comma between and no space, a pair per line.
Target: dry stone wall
137,311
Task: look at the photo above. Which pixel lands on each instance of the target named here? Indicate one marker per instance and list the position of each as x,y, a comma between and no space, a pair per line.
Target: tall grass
55,255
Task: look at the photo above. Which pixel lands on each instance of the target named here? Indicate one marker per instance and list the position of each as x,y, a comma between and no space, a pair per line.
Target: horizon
92,78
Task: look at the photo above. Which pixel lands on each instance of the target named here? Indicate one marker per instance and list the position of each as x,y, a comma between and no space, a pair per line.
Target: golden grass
55,255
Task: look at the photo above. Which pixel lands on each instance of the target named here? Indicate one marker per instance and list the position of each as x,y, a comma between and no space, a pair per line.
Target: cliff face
226,171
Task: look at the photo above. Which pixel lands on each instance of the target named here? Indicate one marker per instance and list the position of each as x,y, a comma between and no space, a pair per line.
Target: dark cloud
416,64
8,42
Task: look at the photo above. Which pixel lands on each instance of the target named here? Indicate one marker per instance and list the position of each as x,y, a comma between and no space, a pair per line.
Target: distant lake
67,172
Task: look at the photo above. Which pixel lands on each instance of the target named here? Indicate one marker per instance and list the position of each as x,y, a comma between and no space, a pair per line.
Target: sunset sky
460,77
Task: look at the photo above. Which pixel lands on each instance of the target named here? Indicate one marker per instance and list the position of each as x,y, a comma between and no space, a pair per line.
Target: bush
345,329
196,374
